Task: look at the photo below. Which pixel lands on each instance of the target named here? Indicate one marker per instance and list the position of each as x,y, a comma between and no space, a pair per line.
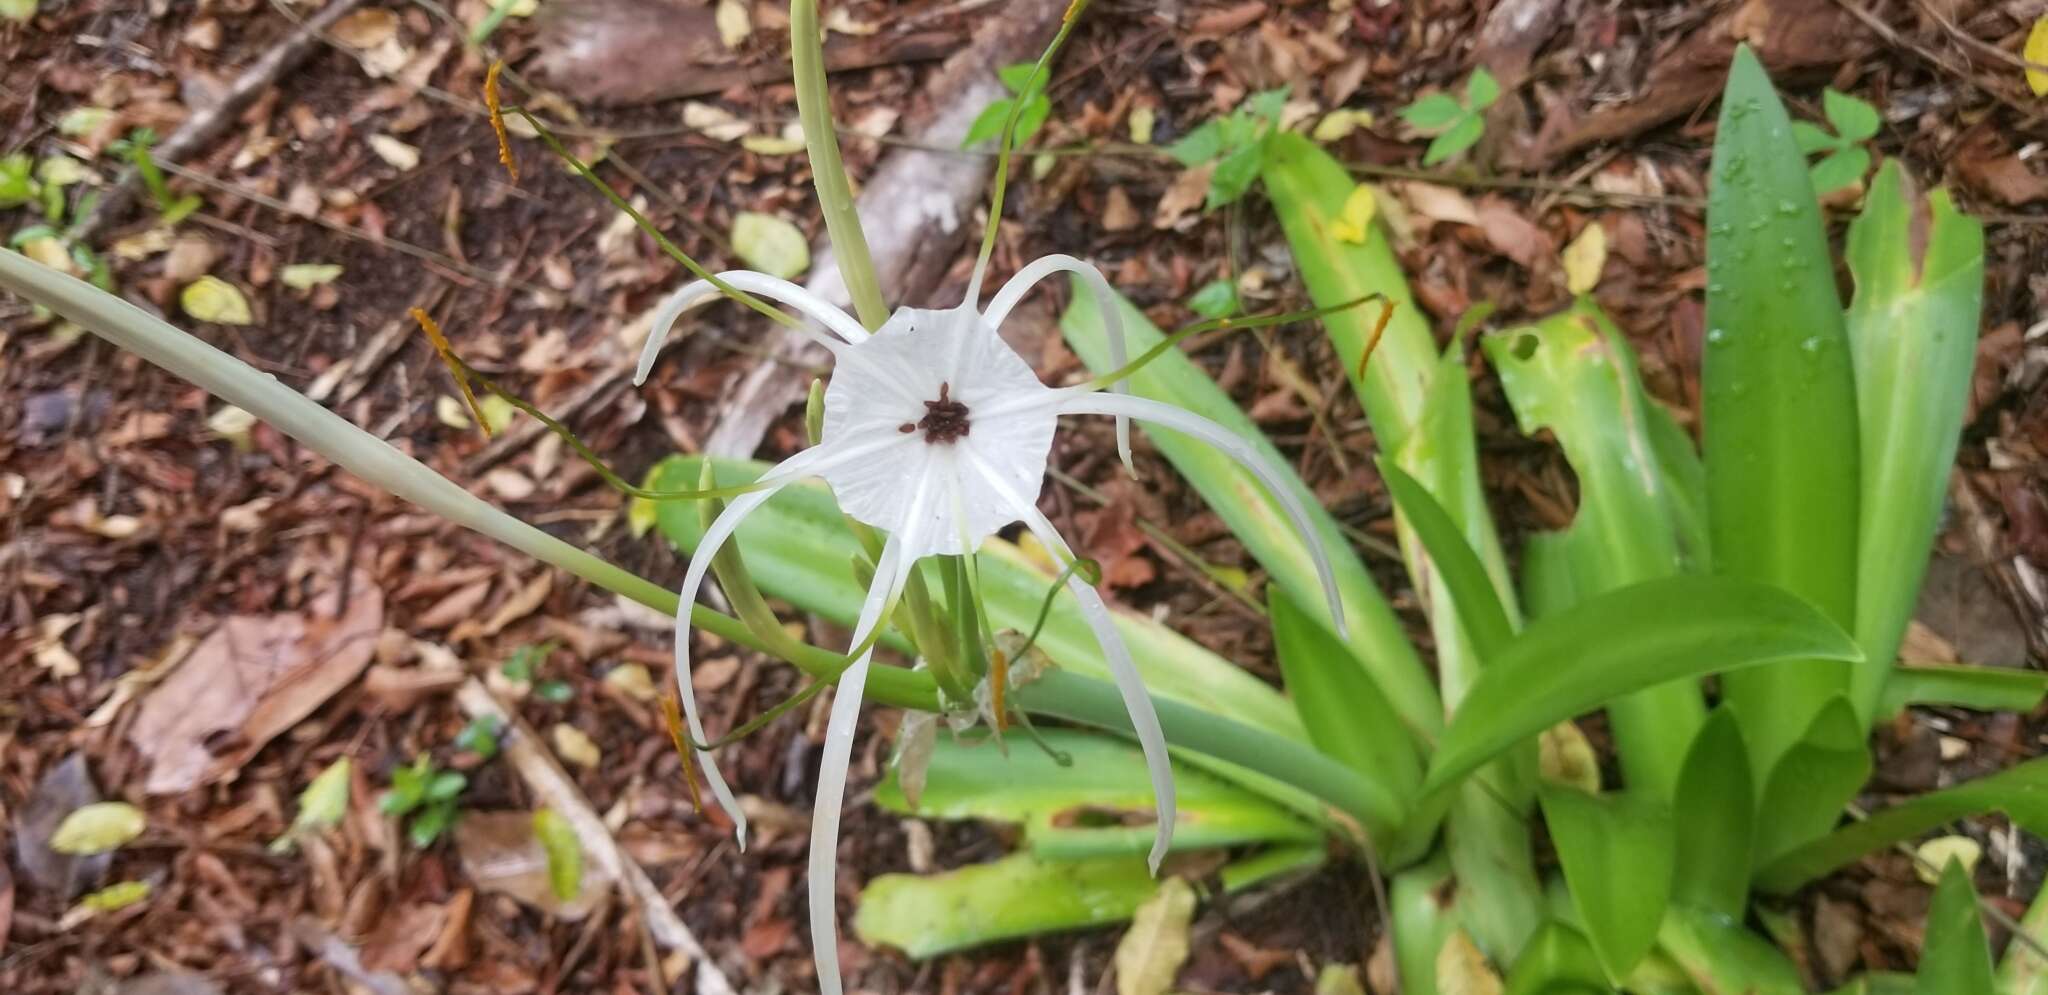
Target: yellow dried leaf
111,898
1153,949
211,298
574,746
1462,970
631,680
398,154
1355,220
770,244
734,23
1585,258
97,828
306,276
2036,52
772,145
1565,757
1143,119
448,410
233,424
1339,123
1936,853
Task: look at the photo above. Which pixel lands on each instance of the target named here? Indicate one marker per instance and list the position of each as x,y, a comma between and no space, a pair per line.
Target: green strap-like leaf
1471,589
1623,641
1714,819
1779,400
1955,959
1618,856
1986,689
2022,793
1343,710
1813,780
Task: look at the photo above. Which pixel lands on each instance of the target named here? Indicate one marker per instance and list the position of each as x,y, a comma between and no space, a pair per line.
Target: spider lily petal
774,288
1122,669
1006,299
1229,444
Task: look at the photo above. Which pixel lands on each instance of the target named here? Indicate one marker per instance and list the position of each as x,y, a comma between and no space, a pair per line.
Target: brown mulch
130,531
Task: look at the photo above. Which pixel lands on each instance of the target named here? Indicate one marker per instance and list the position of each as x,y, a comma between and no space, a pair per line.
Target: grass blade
1779,400
1913,334
1624,641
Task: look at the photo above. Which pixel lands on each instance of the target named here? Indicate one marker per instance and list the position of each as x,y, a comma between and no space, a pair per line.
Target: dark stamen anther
945,419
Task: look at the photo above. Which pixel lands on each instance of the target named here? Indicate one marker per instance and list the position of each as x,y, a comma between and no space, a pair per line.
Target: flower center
945,420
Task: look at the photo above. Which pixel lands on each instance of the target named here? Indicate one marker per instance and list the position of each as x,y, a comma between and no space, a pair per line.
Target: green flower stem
1061,695
835,193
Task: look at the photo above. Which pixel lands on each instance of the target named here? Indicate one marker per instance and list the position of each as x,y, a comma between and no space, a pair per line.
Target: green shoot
1036,107
135,148
1844,159
1235,144
1457,123
426,797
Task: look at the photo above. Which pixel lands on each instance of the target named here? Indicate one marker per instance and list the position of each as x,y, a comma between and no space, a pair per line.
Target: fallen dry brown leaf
252,678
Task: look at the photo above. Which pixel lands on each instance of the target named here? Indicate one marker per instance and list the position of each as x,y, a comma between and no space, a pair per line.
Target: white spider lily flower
938,433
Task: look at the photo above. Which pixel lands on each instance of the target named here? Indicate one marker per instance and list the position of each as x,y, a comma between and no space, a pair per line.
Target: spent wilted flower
937,432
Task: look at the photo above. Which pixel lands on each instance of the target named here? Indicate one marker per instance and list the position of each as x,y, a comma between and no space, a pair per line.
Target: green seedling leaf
79,122
98,828
1151,952
1016,75
1481,90
1955,959
445,786
1032,118
555,692
1840,170
565,855
17,11
1854,120
1346,715
1435,111
115,897
1912,330
2021,793
1618,858
1714,810
1233,176
213,299
1813,138
1215,299
1779,406
1575,375
1198,146
1379,644
17,181
1986,689
1622,641
429,823
1461,135
988,125
770,244
480,737
1471,589
1100,805
1823,770
525,660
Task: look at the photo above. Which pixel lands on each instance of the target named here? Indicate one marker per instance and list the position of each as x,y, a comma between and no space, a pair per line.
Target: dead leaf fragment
1462,970
1584,258
252,678
1189,190
101,827
575,746
1152,950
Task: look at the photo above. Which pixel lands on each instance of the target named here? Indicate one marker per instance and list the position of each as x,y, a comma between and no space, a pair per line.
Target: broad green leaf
1032,118
1437,110
1622,641
1955,960
1016,75
1379,642
98,828
1233,176
1714,819
1575,375
211,298
565,854
1471,589
1099,806
1986,689
1461,135
1425,904
1151,952
797,548
1343,710
1779,401
1841,169
1721,954
1855,120
1618,857
1559,960
1803,797
2021,793
770,244
1913,336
